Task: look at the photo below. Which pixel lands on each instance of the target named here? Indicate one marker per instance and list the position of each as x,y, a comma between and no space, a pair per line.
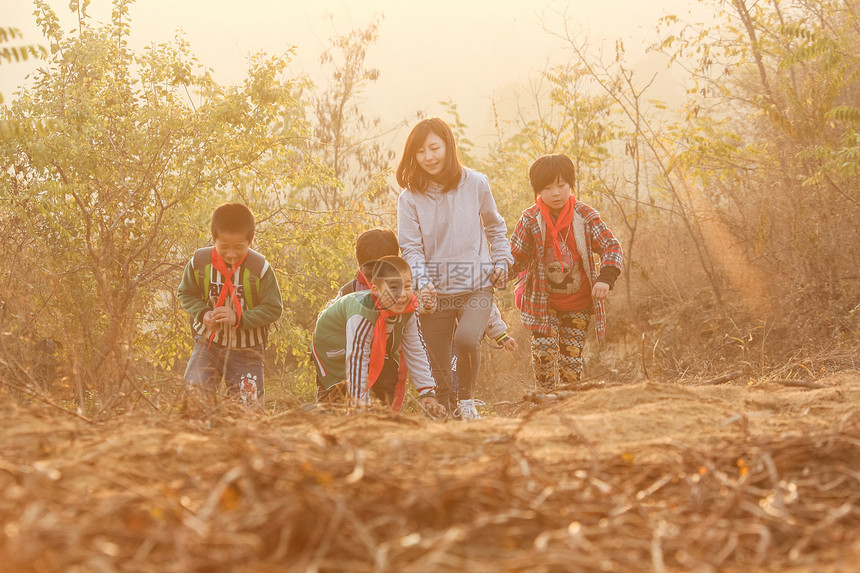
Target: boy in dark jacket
370,246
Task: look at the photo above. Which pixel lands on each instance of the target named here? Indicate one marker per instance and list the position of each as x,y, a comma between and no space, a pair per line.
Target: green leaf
845,113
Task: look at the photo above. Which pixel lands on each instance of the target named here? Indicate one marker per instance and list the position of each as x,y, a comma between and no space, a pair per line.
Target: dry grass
744,476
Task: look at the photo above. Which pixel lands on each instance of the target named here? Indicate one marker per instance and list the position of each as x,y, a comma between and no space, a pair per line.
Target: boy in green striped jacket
232,296
359,332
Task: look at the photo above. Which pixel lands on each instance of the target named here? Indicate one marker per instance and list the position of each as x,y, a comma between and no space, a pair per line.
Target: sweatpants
460,319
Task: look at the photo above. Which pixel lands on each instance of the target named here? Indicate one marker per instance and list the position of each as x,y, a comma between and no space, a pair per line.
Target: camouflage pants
561,352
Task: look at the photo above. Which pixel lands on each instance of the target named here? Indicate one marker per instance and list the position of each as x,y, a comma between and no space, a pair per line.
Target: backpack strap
200,262
256,265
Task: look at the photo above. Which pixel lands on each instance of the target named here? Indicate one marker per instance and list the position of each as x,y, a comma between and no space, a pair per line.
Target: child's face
394,293
555,194
232,246
431,155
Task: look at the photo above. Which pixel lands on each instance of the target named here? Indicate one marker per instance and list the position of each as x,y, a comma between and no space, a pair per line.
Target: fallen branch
722,379
642,357
800,383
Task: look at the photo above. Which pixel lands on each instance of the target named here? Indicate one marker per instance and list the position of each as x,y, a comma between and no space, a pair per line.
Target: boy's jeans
243,373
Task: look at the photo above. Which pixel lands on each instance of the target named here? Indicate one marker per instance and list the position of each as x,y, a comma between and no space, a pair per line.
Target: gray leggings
461,319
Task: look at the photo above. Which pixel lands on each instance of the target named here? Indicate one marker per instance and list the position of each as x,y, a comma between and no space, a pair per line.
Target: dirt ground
646,476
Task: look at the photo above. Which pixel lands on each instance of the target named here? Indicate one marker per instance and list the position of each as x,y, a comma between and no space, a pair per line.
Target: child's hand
499,278
432,407
209,321
427,299
600,290
510,344
224,314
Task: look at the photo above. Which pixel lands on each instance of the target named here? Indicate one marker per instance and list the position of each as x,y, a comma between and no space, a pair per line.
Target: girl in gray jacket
453,237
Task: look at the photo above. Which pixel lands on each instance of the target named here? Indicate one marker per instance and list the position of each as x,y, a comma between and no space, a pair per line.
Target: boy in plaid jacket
552,245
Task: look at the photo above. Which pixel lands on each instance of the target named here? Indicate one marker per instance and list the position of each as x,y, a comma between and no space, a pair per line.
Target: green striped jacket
256,287
343,338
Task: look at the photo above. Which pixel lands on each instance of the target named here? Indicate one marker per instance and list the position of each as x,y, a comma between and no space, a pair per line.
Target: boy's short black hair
390,267
374,244
233,218
547,169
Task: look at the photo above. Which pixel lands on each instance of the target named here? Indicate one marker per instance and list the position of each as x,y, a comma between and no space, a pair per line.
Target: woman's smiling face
431,155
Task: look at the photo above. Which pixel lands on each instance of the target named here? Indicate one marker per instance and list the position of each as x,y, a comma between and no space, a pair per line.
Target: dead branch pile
310,492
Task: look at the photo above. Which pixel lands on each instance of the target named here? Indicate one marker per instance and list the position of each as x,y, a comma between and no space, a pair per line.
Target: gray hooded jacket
453,239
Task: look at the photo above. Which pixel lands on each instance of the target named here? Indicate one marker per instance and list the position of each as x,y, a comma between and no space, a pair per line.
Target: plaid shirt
527,246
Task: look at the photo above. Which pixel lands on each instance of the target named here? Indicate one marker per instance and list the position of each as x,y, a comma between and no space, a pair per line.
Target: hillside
737,477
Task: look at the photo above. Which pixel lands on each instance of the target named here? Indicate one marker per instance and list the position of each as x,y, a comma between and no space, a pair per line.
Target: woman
453,237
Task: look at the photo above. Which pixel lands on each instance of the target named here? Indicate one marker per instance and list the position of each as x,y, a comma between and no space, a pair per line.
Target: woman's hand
499,278
427,299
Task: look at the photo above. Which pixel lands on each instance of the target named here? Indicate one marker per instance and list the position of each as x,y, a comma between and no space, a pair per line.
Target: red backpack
520,288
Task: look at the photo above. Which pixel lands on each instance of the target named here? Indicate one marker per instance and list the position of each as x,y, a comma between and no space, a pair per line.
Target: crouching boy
233,298
354,335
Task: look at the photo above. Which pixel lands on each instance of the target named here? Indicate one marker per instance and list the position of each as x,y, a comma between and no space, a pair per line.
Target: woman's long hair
412,176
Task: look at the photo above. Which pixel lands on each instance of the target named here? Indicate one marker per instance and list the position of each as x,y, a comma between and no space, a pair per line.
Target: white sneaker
468,409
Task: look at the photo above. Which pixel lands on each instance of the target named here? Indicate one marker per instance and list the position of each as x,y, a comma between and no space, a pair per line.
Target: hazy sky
459,50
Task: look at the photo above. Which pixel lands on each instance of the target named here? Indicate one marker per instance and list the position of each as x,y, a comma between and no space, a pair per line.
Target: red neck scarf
565,217
362,280
377,350
229,288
